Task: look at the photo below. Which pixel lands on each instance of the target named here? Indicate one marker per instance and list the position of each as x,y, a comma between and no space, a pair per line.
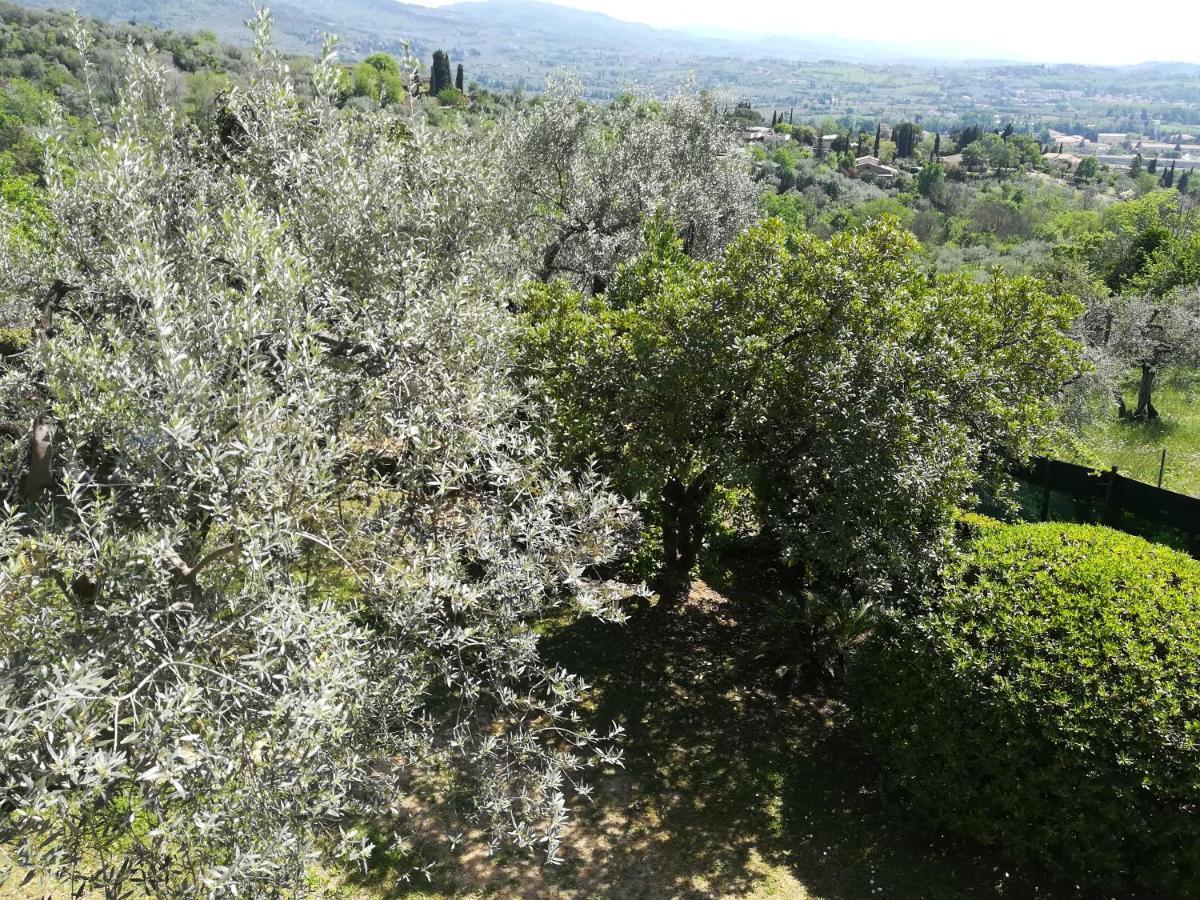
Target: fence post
1162,465
1046,464
1108,495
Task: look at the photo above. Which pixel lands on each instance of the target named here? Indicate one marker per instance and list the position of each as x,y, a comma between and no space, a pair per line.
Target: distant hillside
507,44
534,28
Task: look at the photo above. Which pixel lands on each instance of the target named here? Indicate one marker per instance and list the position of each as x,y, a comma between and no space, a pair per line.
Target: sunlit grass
1135,448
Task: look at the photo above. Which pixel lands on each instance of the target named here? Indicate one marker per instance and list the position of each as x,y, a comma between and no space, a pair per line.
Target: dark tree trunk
1145,406
683,531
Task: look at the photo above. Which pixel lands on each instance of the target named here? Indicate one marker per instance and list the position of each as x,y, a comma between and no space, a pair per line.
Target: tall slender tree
439,75
906,136
878,132
458,79
937,147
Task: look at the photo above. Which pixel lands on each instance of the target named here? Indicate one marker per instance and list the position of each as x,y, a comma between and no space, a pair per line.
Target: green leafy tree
1135,167
650,380
888,395
906,135
967,137
931,180
1087,168
858,397
204,93
990,150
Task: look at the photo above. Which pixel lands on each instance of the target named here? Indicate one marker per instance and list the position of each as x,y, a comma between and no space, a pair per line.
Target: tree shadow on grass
738,785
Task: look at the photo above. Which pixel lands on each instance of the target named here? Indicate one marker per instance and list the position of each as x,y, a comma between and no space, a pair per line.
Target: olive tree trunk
1145,406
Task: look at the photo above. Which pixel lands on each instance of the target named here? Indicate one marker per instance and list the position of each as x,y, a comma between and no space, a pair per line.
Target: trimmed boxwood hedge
1049,704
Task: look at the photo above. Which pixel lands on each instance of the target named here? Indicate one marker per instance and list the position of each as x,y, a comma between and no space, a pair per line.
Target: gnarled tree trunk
1145,406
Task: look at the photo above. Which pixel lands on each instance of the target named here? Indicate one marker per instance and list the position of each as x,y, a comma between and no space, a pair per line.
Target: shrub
1048,704
14,340
453,97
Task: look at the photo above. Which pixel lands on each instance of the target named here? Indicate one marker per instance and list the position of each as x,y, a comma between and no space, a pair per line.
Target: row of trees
384,79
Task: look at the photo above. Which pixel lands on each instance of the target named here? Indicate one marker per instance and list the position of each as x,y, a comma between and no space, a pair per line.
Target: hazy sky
1096,32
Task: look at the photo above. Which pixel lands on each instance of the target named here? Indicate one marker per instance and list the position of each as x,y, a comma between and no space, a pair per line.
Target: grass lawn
736,784
1135,448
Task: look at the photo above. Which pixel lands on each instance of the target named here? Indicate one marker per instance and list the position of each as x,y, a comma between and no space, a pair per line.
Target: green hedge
1049,704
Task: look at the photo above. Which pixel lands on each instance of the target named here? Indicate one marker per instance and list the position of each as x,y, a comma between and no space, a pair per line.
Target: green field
1136,448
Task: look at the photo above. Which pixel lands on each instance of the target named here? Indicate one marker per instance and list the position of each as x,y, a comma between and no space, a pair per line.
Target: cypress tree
1153,167
820,145
1135,167
1184,177
937,146
861,145
774,120
878,131
792,116
439,75
458,79
1169,176
905,137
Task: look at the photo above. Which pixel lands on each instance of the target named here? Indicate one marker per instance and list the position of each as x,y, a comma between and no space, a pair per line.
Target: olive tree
1146,333
580,180
278,526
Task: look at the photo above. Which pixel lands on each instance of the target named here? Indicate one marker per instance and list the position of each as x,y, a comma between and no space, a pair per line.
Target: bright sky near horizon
1105,32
